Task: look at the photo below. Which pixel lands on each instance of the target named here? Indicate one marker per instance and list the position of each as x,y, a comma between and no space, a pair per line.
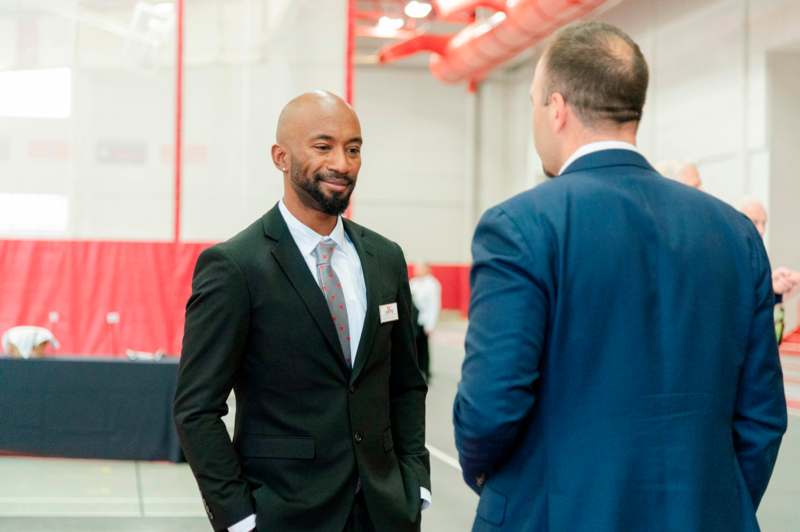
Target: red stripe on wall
454,279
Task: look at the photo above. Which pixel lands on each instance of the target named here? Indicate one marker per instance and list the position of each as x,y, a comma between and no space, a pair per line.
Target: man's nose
338,162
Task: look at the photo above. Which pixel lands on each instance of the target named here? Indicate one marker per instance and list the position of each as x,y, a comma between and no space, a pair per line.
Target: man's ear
558,107
279,157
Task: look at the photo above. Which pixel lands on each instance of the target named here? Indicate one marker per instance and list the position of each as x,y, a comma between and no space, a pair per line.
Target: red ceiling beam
419,43
448,8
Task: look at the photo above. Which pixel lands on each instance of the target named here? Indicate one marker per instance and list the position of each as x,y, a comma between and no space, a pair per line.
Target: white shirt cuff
245,525
425,495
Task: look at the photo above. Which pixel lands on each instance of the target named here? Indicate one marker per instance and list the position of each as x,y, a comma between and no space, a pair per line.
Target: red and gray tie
334,295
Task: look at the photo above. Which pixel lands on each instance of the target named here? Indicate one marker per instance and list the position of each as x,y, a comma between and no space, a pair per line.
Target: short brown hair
599,70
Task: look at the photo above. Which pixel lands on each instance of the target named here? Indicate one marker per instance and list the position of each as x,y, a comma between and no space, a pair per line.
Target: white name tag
389,312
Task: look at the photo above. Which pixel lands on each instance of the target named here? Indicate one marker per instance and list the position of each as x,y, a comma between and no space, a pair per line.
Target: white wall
784,186
411,186
507,161
112,159
437,156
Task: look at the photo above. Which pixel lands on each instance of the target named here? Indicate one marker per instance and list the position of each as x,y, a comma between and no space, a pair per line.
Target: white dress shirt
347,265
592,147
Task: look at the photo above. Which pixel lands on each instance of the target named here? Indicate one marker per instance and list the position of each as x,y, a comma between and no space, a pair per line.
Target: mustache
333,176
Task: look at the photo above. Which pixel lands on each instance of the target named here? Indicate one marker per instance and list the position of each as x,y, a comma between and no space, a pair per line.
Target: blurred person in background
686,173
306,316
784,281
27,341
689,175
620,373
426,292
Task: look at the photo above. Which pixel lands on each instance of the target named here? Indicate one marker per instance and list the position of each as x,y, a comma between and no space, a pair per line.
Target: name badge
389,312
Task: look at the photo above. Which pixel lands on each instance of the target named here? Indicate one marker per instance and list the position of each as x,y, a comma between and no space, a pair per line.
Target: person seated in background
784,280
426,292
686,173
27,341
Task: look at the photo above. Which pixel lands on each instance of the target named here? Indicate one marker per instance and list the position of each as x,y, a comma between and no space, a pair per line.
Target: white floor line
44,499
444,457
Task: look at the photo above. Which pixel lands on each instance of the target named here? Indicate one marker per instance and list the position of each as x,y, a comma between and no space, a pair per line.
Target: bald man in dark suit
306,316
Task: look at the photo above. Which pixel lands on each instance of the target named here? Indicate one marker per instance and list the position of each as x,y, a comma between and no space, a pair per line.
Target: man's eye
354,151
322,147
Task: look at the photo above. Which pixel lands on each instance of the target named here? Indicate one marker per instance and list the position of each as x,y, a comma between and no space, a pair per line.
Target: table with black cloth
88,407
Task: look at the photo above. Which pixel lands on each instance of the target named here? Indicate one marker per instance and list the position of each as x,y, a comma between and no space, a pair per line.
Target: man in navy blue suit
621,372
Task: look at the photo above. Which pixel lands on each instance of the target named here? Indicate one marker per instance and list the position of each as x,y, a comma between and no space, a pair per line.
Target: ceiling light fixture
389,25
415,9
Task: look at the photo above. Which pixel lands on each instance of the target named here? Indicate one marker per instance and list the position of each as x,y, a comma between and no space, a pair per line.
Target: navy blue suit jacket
621,371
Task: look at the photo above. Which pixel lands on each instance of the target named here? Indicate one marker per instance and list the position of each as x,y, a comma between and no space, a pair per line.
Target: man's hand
785,281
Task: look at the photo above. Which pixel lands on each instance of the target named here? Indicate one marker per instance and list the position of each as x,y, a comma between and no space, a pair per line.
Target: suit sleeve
217,316
408,388
507,322
760,415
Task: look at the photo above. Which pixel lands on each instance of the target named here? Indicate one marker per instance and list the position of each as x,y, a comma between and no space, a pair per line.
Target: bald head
689,175
301,114
318,149
755,210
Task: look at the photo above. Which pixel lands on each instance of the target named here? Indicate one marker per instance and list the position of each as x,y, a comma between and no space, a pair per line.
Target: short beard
333,205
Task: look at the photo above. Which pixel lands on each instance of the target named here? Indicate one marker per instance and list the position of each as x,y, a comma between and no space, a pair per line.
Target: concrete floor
54,495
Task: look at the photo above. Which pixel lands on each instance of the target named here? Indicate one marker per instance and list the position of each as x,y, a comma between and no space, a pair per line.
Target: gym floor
58,495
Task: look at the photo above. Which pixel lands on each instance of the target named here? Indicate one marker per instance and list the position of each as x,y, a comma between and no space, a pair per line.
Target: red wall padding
147,283
454,279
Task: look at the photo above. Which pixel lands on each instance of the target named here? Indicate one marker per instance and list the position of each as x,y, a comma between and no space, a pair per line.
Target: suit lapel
369,264
294,266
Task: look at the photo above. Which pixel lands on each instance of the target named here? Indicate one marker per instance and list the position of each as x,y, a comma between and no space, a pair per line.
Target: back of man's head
600,71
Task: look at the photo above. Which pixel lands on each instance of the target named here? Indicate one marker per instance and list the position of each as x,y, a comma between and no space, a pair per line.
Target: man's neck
320,222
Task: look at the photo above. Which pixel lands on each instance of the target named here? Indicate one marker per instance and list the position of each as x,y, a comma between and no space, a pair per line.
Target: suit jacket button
358,437
352,389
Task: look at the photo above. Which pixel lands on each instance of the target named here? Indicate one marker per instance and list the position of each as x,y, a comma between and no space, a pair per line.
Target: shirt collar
592,147
305,237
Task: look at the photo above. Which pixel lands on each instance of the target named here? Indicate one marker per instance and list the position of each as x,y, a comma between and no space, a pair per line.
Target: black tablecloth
88,408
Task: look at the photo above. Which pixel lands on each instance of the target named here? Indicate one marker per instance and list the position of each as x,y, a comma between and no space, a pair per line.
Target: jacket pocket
289,447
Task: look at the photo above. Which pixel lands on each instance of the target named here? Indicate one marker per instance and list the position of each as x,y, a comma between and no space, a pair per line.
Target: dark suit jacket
621,370
306,426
